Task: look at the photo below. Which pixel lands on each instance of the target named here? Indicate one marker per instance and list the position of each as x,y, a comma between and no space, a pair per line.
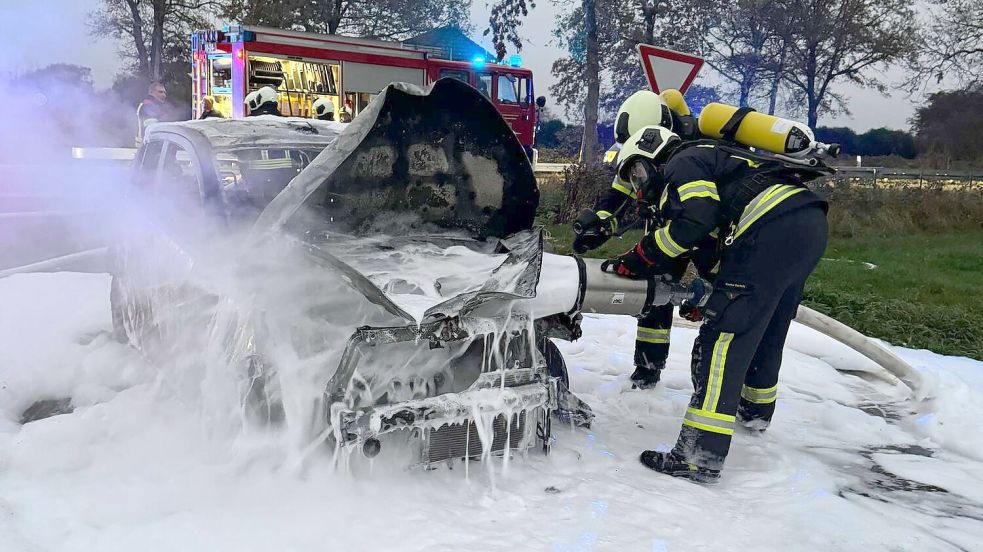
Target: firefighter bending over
628,191
770,232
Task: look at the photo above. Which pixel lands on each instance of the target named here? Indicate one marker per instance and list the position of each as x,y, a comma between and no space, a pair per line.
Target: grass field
918,290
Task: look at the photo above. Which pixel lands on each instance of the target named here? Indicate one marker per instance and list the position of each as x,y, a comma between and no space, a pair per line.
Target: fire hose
607,293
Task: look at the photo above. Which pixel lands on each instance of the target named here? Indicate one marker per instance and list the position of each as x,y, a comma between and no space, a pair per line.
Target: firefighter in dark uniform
771,231
629,191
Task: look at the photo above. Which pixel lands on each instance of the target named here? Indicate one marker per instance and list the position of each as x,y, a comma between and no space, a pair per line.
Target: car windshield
252,177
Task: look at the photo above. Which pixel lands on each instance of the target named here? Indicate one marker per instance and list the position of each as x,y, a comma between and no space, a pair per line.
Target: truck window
525,91
507,89
485,84
458,74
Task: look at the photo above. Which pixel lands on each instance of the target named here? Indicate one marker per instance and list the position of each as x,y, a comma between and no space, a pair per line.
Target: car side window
146,169
506,89
178,177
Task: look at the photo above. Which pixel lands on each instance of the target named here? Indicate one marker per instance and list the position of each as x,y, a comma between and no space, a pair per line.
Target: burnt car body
395,290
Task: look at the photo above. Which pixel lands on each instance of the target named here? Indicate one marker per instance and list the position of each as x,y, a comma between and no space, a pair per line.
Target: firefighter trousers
738,352
652,336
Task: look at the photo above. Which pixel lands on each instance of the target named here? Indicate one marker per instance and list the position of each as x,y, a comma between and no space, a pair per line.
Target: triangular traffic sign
667,69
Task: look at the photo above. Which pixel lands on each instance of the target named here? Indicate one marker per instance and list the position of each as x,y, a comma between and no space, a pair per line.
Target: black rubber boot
646,376
670,464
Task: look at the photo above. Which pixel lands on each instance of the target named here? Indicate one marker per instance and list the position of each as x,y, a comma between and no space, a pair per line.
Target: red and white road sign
667,69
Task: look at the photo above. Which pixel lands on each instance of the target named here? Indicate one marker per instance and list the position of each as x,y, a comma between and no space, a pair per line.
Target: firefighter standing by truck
769,230
151,110
633,192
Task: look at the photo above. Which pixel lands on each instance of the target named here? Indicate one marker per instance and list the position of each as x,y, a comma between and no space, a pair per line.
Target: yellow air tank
674,100
758,130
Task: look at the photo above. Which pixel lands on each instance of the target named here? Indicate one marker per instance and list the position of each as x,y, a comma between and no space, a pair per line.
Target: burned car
364,284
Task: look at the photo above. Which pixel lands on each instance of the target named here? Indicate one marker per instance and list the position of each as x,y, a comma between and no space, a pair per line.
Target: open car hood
439,163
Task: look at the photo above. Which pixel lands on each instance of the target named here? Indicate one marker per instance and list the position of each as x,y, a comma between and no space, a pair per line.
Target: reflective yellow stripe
652,335
752,164
664,197
666,243
715,380
709,421
698,188
696,184
758,395
605,215
610,155
764,202
706,193
622,188
271,163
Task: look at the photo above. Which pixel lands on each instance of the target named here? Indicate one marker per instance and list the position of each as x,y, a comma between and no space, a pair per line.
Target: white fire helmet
251,102
641,109
265,95
323,106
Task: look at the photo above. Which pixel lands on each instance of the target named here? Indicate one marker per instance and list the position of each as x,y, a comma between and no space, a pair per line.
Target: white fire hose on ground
606,293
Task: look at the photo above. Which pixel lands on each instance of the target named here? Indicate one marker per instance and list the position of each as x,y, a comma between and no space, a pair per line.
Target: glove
591,231
691,312
634,263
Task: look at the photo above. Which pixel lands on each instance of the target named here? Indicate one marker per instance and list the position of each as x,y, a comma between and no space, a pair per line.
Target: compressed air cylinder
674,100
759,130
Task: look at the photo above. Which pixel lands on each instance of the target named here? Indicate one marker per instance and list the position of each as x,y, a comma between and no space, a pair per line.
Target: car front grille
461,440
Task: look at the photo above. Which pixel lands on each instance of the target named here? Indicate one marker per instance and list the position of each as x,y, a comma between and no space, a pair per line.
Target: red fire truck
232,62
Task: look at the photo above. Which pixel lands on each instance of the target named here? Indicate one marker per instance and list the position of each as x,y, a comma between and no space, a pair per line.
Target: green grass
926,290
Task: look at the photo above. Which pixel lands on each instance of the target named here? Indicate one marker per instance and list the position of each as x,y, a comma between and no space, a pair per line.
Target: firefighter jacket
712,193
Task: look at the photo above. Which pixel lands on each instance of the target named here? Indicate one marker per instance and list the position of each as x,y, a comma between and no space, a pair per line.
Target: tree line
779,56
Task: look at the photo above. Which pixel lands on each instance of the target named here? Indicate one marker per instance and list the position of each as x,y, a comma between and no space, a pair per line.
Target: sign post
667,69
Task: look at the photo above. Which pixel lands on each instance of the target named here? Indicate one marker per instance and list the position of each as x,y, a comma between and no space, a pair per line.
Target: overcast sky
40,32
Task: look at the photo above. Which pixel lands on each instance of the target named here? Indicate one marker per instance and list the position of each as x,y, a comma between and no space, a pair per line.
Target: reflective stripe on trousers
759,396
652,335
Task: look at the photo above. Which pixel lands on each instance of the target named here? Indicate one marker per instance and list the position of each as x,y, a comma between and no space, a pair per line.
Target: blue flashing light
515,60
478,62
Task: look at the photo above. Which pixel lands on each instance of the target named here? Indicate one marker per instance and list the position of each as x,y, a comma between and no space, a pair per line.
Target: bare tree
150,28
384,19
952,45
743,44
588,146
843,40
504,23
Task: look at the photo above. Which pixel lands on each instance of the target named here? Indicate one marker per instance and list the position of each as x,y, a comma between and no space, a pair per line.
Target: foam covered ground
849,464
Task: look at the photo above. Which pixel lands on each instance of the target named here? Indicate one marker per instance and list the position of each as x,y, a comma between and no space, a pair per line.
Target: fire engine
232,62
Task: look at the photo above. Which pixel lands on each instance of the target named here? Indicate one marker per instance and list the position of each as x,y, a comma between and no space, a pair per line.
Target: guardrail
973,178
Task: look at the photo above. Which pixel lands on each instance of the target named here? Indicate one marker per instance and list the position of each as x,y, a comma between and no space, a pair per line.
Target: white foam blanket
417,276
849,464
